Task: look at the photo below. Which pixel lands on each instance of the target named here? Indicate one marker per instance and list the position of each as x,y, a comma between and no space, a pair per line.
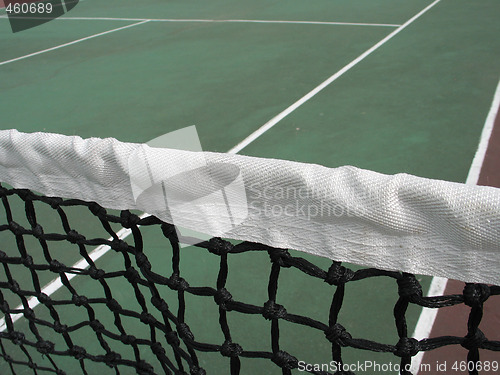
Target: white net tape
399,222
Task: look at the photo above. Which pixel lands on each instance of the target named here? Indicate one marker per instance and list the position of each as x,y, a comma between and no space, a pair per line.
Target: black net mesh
71,331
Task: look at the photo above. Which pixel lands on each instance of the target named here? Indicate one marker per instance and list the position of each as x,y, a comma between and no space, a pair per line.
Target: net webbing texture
164,332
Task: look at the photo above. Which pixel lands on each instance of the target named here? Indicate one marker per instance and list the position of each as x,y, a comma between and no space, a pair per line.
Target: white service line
71,43
438,284
199,20
268,125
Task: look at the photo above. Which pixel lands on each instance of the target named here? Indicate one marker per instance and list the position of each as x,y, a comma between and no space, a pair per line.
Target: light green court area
415,105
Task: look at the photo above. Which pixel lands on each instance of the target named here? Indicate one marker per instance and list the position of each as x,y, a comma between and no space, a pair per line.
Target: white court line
56,284
426,320
199,20
101,250
268,125
477,163
71,43
438,284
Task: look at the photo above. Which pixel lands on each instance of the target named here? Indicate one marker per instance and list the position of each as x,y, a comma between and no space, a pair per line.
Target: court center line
438,284
71,43
268,125
199,20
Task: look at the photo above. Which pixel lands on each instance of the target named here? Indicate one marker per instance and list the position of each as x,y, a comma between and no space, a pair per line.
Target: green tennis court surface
414,102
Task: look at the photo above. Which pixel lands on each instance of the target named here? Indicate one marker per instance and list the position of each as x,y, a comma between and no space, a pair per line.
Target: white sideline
71,43
438,284
477,162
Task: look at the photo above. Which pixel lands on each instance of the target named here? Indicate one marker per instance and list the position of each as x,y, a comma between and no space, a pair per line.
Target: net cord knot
218,246
79,300
28,261
273,310
113,305
407,346
74,237
147,318
280,257
144,368
96,326
222,297
78,352
172,338
38,231
44,299
60,328
15,228
45,347
409,287
55,266
128,339
285,360
97,210
132,275
230,349
338,274
476,294
178,283
142,261
474,341
17,337
111,358
184,332
195,370
160,304
128,219
96,273
337,334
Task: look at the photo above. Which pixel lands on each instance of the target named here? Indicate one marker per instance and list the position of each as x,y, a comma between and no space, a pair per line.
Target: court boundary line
477,162
71,43
271,123
208,20
428,316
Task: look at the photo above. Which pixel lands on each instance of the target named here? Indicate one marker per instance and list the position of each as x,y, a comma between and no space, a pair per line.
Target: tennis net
93,289
162,340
